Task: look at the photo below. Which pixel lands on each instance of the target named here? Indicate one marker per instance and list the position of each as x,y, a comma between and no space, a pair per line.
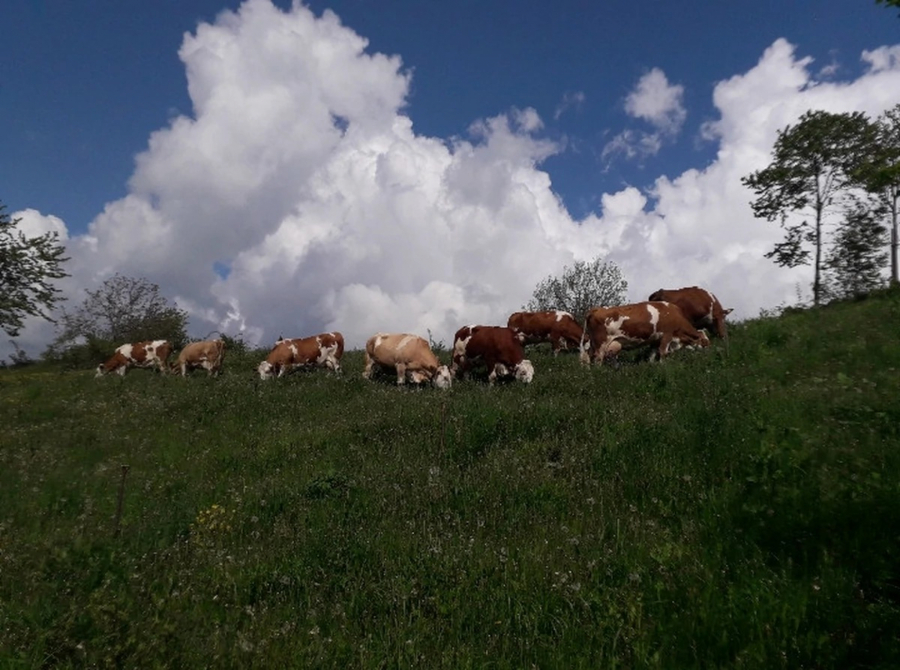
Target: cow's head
266,370
524,371
698,342
117,364
703,340
442,377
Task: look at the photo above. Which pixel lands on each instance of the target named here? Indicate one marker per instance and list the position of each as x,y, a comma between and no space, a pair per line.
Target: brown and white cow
558,328
153,353
608,330
700,307
325,350
498,348
207,355
407,355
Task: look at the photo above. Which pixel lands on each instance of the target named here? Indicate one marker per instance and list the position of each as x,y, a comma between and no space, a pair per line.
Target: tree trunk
894,243
817,281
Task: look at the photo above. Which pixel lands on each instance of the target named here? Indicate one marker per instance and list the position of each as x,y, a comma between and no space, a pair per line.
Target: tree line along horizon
833,186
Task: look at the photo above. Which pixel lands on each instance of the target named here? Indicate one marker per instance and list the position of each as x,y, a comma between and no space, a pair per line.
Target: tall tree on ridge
855,262
27,267
814,164
881,176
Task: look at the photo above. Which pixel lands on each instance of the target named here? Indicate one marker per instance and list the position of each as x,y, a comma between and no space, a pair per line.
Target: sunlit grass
729,508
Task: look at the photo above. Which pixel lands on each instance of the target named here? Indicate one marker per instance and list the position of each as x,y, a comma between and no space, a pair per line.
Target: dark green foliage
235,346
814,163
123,309
28,266
880,175
716,510
889,3
579,288
856,259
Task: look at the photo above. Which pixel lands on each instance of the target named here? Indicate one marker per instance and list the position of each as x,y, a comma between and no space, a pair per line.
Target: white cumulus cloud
657,101
660,104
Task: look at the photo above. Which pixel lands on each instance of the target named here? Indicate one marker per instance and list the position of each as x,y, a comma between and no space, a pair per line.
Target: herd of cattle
669,320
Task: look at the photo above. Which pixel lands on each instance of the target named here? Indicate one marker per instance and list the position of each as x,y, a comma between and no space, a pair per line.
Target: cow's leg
599,353
496,370
664,343
121,370
401,374
370,364
458,365
611,350
586,352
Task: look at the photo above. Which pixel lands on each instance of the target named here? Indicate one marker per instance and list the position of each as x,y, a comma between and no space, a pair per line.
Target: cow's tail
583,354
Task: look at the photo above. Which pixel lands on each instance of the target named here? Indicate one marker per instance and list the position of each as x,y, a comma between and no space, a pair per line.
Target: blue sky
82,85
626,113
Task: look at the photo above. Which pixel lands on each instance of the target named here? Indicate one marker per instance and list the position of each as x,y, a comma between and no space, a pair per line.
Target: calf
498,348
325,350
558,328
407,355
607,330
699,306
148,354
207,355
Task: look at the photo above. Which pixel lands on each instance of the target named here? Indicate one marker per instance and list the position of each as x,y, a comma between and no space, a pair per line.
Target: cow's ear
728,311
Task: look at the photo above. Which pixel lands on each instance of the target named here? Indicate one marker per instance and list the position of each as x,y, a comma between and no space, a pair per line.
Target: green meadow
732,507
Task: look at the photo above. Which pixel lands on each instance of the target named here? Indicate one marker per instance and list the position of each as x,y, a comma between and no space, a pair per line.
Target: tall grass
735,507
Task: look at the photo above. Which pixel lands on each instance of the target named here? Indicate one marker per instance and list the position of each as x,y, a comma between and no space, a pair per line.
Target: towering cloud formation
298,198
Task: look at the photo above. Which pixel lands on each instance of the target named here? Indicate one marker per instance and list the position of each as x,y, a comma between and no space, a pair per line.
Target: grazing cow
700,307
207,355
607,330
558,328
323,350
498,348
407,355
148,354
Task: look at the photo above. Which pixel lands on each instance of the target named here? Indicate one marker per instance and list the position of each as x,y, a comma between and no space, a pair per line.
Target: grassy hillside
728,508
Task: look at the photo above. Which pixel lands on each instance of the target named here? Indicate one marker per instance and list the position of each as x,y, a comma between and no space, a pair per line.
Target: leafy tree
855,261
814,163
881,175
123,309
27,267
889,3
585,285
